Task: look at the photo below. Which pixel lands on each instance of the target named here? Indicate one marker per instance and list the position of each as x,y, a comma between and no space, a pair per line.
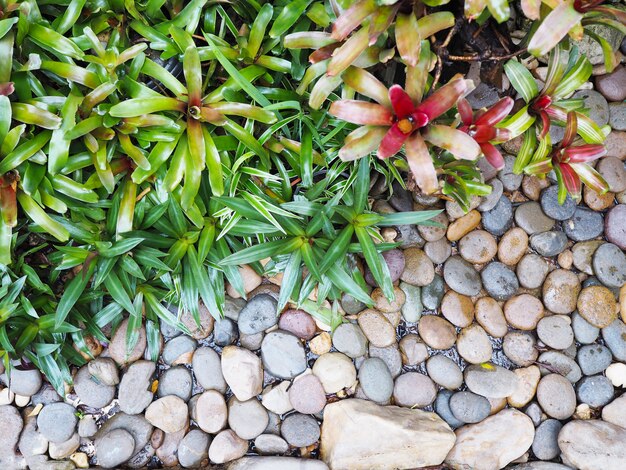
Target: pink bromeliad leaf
361,112
570,180
584,153
362,141
496,113
571,128
457,142
493,155
465,111
421,164
444,98
590,177
392,142
401,102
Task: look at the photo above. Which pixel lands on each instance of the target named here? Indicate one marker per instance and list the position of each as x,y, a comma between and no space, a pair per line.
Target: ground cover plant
149,149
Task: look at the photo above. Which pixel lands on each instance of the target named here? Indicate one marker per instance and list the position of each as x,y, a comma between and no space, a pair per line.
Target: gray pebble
283,354
433,293
614,337
594,358
548,244
532,271
349,339
300,430
609,265
176,381
193,449
585,224
469,407
461,276
597,105
489,202
177,347
531,218
442,407
584,332
376,380
510,181
499,219
561,364
499,281
545,445
390,356
225,332
57,421
595,391
258,315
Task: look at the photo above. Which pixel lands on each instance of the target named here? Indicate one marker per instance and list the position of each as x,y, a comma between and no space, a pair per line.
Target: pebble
168,413
270,444
378,330
135,392
531,218
545,445
609,265
583,255
225,332
210,412
560,291
104,370
412,308
490,380
510,181
413,351
596,201
193,449
499,219
556,331
276,398
523,311
179,350
57,421
433,233
283,355
306,394
614,337
202,329
395,260
176,381
297,322
489,202
512,247
597,305
551,207
117,346
461,276
548,244
519,347
455,211
559,363
437,332
584,332
444,371
136,425
594,358
258,315
87,426
384,305
114,448
300,430
478,247
24,382
321,344
251,342
414,390
595,390
615,144
375,379
336,371
556,396
489,315
349,339
442,408
507,435
418,268
593,444
247,418
438,251
469,407
615,412
462,226
227,446
499,281
391,357
207,368
458,309
433,293
616,373
532,187
613,171
613,85
531,271
597,105
615,226
474,345
242,372
617,116
527,381
90,391
584,225
350,305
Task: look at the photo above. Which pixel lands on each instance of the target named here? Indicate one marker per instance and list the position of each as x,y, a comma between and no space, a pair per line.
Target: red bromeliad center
412,122
541,103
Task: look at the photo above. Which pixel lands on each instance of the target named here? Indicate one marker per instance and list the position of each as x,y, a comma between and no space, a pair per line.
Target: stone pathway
505,347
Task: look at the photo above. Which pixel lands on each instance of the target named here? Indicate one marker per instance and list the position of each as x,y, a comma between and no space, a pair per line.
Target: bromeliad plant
570,161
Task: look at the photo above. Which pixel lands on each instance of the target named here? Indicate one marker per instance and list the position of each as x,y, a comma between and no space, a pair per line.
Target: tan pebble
616,373
513,246
418,268
6,396
523,311
464,225
527,381
436,332
378,330
393,317
489,315
474,345
497,404
80,459
560,291
251,280
321,344
583,411
389,234
457,308
412,350
622,302
156,440
385,305
93,345
597,305
431,233
565,259
21,400
598,202
478,247
532,186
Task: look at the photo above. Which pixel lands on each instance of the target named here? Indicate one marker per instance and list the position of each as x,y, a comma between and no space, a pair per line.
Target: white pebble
616,373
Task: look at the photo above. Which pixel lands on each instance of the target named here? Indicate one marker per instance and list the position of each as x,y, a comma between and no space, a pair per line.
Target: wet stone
551,207
548,244
584,225
609,265
461,276
499,281
531,218
433,293
499,219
